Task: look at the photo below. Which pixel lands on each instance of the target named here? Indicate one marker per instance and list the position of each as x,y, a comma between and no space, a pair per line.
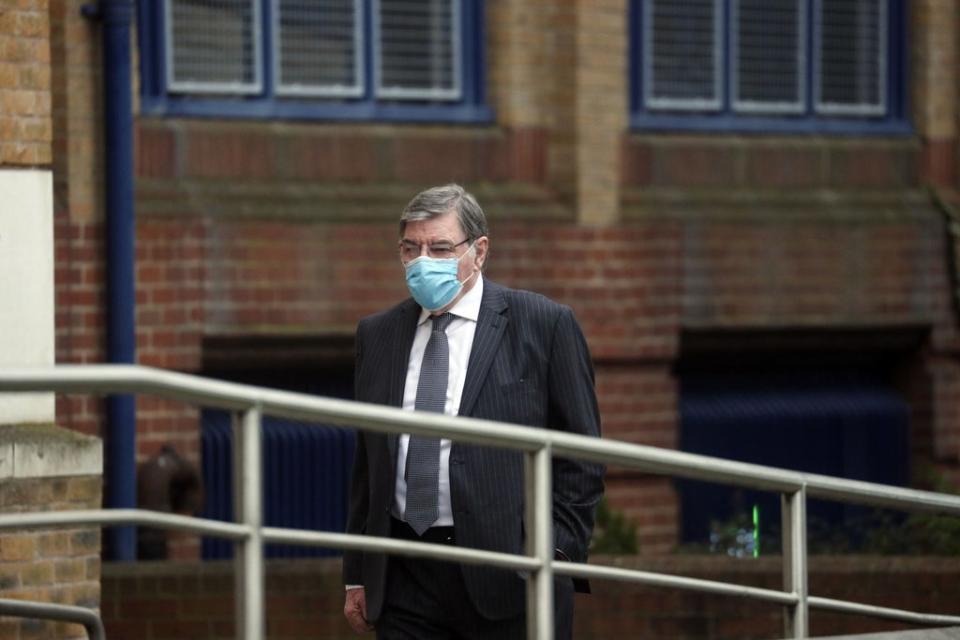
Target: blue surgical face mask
433,281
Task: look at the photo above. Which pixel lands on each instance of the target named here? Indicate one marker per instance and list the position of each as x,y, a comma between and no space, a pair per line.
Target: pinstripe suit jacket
529,365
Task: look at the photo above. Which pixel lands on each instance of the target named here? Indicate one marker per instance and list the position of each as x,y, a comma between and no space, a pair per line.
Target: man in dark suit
464,346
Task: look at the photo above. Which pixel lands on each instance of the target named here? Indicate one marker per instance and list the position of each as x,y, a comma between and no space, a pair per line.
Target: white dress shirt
460,334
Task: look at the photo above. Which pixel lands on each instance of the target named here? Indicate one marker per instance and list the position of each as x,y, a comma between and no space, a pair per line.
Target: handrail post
248,554
539,517
793,512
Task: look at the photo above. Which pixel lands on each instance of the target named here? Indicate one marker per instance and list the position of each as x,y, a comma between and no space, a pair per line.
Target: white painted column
26,286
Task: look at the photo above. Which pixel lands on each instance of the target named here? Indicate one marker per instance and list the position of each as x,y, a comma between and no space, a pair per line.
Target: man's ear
481,246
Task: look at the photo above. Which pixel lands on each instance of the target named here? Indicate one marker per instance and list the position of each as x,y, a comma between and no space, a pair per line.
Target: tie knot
441,322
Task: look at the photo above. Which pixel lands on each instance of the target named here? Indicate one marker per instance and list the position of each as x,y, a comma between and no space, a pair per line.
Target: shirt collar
467,307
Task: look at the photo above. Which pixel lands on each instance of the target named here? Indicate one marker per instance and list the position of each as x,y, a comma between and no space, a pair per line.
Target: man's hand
355,609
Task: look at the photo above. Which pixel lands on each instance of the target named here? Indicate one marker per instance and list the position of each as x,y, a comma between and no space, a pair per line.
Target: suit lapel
491,324
404,330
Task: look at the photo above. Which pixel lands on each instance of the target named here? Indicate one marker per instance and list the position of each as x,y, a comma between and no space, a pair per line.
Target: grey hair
437,201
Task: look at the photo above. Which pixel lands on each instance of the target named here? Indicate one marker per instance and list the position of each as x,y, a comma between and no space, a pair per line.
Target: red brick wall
767,162
79,298
805,273
338,153
632,288
304,599
288,228
170,278
271,228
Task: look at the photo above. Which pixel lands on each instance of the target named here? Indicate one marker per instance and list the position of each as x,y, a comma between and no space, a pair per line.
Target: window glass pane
318,47
768,55
852,56
418,49
682,53
212,45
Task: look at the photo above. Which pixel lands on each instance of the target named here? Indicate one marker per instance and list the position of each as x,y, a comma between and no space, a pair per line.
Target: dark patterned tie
423,453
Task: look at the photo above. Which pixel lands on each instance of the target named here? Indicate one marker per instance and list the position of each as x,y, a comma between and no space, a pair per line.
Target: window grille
851,57
682,54
417,49
212,46
318,45
768,60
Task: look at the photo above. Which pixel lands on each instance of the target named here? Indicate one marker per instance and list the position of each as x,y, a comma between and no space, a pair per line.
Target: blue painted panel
267,109
855,429
471,109
894,122
306,471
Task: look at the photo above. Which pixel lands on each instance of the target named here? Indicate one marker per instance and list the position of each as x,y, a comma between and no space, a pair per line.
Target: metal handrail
62,612
538,445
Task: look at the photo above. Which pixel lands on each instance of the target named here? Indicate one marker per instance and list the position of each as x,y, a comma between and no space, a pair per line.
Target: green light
756,531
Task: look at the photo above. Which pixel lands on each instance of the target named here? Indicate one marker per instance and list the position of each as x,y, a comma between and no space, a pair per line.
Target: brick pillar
26,216
77,176
518,48
558,67
46,468
521,84
42,467
945,372
25,131
934,90
76,91
601,107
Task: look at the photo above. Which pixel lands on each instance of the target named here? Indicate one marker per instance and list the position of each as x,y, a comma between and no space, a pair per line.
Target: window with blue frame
769,65
418,60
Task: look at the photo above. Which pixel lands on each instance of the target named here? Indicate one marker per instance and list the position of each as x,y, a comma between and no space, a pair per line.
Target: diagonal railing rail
61,612
538,445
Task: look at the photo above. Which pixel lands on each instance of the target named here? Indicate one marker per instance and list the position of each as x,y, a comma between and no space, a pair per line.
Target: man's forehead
446,225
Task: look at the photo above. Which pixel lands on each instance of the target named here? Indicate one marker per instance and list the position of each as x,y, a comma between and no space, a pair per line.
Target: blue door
851,426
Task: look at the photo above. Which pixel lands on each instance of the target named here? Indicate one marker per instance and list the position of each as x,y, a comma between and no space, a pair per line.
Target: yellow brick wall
25,124
49,565
560,98
560,65
519,61
601,107
934,90
76,91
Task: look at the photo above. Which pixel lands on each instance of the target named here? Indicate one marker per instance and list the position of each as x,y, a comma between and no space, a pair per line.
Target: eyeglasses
410,250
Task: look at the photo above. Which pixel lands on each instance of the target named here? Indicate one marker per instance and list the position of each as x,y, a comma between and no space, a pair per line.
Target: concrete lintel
46,450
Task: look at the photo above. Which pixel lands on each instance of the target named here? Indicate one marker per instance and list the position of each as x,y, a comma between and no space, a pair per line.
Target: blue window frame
399,60
804,66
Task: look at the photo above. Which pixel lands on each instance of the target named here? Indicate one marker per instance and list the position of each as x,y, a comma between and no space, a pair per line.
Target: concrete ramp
946,633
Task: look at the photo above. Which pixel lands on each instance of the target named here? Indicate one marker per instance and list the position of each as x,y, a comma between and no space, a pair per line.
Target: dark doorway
306,466
814,401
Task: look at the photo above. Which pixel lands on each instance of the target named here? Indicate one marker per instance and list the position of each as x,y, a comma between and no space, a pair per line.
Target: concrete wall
26,280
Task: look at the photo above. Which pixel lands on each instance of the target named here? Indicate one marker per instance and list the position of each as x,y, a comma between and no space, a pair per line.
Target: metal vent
417,49
851,57
212,46
318,47
682,54
769,37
